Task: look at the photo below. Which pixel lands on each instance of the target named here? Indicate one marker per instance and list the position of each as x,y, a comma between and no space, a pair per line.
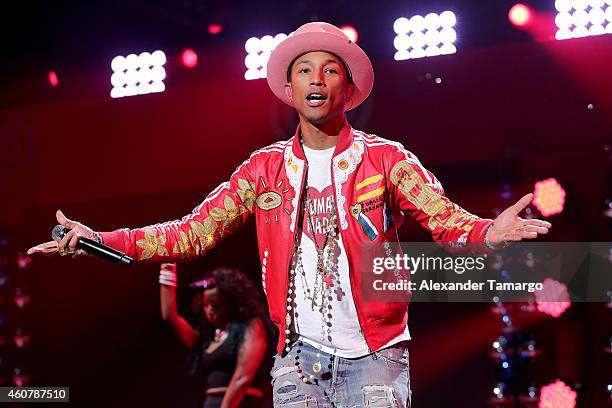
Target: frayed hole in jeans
379,396
287,388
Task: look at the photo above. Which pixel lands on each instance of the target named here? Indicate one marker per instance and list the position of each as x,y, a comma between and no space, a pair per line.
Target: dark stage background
505,114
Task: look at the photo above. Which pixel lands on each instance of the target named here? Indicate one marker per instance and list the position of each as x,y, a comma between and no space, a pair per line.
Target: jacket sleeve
418,192
224,210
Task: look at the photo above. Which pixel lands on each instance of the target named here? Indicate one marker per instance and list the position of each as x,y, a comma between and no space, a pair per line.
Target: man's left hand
508,226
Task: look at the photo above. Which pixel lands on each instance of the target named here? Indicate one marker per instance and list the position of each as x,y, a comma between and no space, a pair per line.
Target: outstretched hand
68,244
508,226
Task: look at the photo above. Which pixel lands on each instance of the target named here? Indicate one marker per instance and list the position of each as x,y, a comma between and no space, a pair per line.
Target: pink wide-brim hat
319,36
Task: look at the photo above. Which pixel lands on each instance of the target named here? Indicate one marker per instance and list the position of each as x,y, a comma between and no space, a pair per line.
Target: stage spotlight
189,58
350,32
401,26
557,395
52,77
549,197
582,18
520,15
258,53
553,299
215,29
138,74
427,36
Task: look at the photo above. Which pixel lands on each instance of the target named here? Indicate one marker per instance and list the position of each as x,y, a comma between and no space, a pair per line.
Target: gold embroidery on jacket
227,216
184,245
269,200
203,234
441,212
152,245
246,192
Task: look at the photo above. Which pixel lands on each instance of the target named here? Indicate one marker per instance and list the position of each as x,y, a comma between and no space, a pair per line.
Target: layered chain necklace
325,264
325,274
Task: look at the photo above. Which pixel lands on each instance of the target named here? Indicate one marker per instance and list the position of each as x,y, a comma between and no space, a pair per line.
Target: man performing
312,198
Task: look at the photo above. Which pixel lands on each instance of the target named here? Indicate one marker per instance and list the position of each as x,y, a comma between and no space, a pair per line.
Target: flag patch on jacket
368,226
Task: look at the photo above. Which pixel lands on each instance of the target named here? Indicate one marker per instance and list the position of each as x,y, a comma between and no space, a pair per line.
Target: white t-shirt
344,338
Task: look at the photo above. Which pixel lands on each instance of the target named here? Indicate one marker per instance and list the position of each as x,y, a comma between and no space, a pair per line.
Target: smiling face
319,87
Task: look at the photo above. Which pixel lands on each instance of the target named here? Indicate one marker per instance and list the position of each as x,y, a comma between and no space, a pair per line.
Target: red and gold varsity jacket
269,186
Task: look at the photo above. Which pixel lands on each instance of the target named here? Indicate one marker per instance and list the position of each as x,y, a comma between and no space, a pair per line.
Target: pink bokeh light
557,395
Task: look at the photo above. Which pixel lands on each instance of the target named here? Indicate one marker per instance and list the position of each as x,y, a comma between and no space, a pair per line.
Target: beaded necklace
324,281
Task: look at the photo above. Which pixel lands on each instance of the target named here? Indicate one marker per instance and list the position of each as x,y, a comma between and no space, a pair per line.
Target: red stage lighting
215,29
557,395
520,15
350,32
553,299
189,58
549,197
52,76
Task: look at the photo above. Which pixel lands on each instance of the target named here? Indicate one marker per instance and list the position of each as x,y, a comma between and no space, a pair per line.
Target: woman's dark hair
240,297
242,301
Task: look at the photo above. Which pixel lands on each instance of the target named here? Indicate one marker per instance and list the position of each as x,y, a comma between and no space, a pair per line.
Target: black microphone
93,247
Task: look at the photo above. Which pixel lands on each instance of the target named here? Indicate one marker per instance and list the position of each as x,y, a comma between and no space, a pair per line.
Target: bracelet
490,245
98,237
167,278
167,283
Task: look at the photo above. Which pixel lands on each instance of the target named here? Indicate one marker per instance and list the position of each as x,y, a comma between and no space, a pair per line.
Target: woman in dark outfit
232,350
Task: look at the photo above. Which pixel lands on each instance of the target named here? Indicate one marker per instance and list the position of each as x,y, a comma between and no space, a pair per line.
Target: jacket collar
345,140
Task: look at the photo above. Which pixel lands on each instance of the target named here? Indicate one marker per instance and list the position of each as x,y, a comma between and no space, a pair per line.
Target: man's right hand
68,244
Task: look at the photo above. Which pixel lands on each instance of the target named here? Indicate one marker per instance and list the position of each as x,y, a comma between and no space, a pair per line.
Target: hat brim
355,58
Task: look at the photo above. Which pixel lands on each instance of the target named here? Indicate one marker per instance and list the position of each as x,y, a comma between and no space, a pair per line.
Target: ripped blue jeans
380,379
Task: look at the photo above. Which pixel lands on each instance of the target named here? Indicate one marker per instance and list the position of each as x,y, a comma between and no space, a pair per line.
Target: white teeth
315,102
316,97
